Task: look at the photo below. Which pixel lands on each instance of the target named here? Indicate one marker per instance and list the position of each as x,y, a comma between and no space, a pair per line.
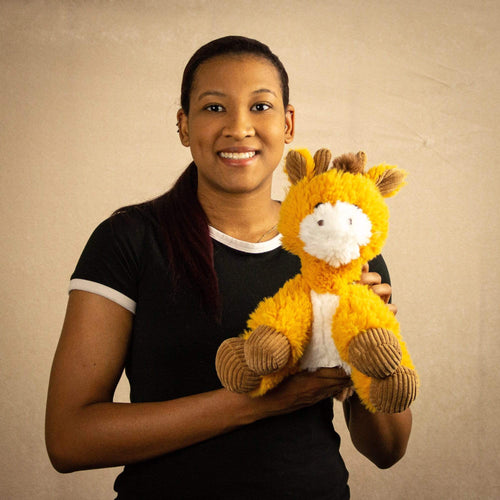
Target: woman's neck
247,217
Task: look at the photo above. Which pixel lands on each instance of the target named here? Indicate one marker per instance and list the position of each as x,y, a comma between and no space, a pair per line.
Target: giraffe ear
388,179
299,164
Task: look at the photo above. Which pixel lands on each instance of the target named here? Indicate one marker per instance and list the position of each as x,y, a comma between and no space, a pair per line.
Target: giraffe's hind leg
232,368
266,350
395,393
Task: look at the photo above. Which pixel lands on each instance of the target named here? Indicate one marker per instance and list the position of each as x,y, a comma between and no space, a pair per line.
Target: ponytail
185,232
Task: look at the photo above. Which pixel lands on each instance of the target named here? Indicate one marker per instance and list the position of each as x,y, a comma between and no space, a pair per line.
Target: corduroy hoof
232,369
395,393
375,352
266,350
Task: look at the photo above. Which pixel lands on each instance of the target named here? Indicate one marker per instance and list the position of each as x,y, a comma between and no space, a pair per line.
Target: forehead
234,72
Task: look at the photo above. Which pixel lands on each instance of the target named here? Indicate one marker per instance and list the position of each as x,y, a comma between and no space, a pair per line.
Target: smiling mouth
237,156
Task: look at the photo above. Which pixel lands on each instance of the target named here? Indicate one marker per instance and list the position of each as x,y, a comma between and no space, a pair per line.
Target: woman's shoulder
130,223
115,252
121,233
139,215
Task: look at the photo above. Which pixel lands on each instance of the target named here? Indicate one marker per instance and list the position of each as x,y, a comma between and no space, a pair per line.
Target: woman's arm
381,437
85,429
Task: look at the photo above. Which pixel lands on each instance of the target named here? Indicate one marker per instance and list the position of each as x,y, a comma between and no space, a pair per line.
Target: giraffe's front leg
375,352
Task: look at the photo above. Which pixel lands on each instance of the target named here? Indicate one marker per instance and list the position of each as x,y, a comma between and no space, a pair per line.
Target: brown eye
321,222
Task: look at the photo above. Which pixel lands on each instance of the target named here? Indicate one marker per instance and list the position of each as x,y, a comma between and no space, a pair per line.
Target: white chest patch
321,351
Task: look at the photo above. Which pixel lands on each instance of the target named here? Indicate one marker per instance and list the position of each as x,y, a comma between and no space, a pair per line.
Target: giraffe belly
321,351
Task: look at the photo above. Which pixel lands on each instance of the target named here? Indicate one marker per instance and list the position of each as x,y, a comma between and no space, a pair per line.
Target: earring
177,125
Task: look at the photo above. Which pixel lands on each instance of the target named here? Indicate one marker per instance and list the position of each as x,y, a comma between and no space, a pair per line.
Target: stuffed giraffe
335,220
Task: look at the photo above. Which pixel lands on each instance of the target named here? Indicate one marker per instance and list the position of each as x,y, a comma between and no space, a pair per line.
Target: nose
238,125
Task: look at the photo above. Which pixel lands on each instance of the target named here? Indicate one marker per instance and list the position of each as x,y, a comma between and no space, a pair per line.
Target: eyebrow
217,93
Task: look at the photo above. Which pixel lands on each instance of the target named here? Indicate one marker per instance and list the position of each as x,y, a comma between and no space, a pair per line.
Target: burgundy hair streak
185,231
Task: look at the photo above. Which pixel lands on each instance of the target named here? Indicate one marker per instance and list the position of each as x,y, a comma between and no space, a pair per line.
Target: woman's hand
305,389
374,281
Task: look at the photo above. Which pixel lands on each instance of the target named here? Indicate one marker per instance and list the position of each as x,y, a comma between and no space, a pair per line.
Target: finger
345,394
336,372
370,279
333,385
383,290
393,308
364,270
341,396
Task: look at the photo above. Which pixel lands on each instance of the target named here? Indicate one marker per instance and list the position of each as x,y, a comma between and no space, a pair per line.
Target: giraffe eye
321,222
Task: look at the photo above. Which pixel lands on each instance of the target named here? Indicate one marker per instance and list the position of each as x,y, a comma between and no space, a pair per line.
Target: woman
159,286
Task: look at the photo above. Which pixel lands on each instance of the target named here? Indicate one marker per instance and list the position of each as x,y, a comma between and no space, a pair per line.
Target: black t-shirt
172,354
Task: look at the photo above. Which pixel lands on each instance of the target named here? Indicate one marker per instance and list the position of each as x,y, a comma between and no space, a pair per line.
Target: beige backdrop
88,95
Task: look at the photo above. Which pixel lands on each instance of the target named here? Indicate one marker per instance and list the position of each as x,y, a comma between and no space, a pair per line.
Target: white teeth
237,156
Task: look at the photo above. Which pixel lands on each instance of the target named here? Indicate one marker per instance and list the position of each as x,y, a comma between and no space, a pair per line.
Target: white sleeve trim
104,291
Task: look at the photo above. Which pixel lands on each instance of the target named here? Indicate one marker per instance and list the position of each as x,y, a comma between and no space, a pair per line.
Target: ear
182,124
298,165
289,124
388,179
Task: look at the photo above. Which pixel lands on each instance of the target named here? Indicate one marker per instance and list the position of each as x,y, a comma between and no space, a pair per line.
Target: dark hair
186,237
184,224
230,45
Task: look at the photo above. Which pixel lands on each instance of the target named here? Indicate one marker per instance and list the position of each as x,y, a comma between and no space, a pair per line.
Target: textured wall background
88,95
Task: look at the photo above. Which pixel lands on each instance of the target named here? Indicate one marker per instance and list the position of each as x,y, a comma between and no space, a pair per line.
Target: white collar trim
245,246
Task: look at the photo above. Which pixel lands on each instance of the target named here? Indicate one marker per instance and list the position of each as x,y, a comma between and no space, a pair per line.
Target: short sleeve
110,262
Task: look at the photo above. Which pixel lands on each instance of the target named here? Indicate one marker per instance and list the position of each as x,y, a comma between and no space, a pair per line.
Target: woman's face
237,126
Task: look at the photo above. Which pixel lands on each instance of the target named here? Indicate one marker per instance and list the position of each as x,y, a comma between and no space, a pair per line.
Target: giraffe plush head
337,215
